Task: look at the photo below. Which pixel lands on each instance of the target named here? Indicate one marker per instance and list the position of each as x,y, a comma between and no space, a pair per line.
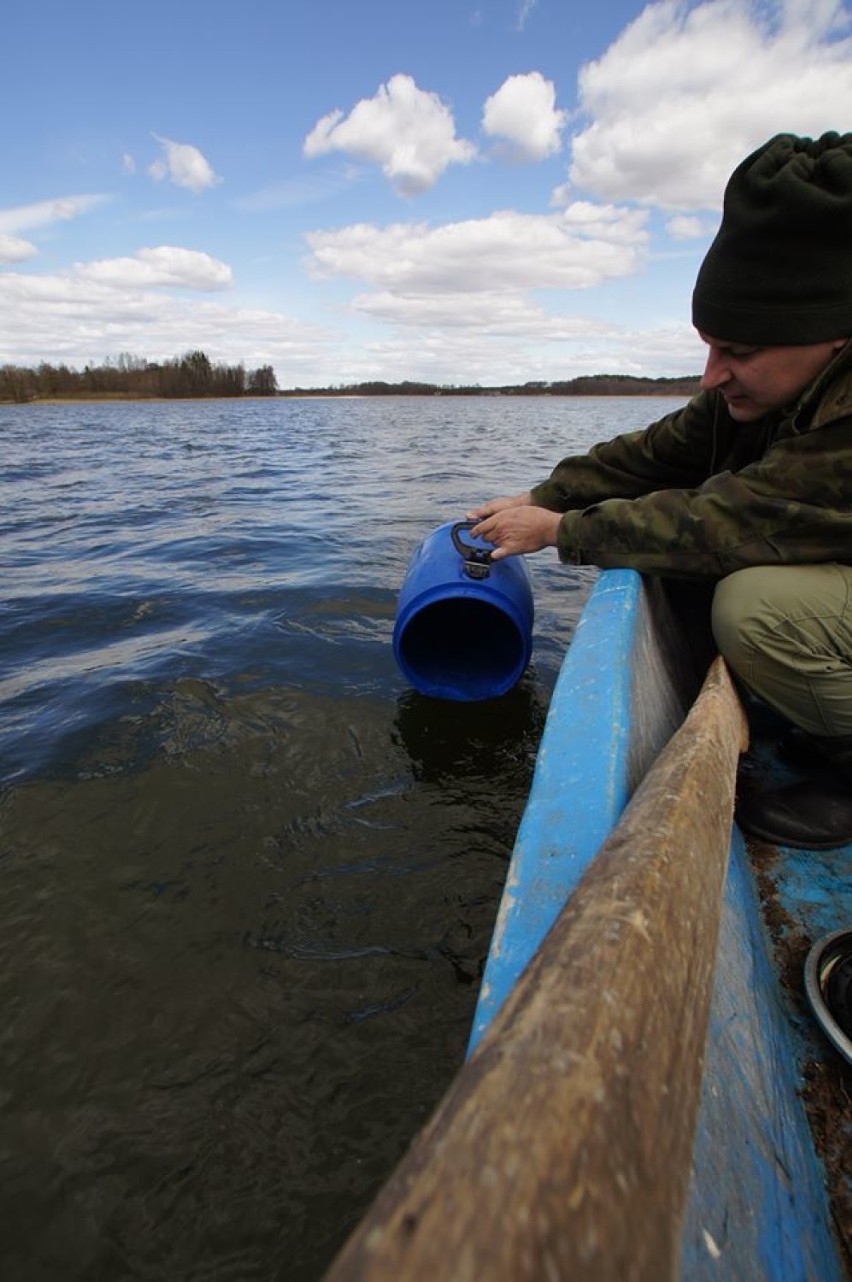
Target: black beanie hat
780,268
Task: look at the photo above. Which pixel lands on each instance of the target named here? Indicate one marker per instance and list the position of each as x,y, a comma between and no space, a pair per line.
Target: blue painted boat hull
632,1104
758,1206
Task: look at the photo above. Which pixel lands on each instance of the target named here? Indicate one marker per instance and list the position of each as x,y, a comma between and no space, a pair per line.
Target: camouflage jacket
697,495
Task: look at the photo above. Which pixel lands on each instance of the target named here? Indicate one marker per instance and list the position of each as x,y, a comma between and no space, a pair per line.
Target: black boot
796,747
815,814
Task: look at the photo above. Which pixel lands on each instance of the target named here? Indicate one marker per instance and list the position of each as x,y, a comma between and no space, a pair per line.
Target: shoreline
353,396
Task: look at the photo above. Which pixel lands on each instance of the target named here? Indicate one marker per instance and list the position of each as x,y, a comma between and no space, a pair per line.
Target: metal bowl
828,985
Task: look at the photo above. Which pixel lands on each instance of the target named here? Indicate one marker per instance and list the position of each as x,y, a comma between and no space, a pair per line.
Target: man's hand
514,529
500,505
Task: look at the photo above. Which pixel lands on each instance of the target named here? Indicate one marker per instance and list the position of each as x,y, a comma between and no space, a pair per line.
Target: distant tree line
587,385
193,374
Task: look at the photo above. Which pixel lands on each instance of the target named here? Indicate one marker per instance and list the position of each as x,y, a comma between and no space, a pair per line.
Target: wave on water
249,878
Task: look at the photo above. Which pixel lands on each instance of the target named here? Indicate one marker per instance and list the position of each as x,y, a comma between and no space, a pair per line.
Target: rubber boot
796,747
813,814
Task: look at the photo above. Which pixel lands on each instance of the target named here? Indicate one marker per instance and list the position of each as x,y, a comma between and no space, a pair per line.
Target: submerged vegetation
195,375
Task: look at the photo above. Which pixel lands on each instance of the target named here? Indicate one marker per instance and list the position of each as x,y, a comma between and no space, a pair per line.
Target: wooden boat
646,1094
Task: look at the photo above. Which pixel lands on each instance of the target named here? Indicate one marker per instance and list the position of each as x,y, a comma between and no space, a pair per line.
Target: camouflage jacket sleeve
677,451
698,496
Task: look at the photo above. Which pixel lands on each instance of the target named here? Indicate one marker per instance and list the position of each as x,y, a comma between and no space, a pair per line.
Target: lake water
247,877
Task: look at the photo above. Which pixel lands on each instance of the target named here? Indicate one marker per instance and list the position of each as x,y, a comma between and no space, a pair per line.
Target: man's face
754,380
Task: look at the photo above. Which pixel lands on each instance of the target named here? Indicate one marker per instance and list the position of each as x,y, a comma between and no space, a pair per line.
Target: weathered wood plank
563,1147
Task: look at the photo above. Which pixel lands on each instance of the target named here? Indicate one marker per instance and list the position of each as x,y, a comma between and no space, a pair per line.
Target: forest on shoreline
133,378
585,385
194,376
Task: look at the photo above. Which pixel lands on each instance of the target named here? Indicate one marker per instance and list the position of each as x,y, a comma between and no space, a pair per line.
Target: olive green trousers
786,633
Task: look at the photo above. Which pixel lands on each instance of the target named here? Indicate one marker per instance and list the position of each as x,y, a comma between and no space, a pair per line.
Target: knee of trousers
739,618
785,619
786,633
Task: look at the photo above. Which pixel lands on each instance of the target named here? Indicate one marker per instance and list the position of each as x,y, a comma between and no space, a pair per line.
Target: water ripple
248,877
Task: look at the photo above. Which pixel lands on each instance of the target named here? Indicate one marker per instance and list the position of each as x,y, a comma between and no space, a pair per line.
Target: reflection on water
248,878
446,742
241,967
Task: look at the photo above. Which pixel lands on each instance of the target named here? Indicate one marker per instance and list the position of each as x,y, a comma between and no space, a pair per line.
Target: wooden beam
563,1148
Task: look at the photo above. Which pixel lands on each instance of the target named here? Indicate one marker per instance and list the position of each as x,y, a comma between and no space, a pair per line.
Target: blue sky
462,191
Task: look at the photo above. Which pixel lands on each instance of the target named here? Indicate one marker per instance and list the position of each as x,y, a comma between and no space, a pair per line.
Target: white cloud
685,92
77,318
164,266
128,164
15,250
494,338
487,313
295,192
469,356
525,8
562,195
523,113
665,352
406,130
575,249
46,212
685,227
605,222
184,165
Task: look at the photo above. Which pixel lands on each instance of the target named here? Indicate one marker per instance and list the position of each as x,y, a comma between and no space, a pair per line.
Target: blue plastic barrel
464,622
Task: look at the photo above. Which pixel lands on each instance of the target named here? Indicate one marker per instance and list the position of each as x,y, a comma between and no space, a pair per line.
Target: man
749,486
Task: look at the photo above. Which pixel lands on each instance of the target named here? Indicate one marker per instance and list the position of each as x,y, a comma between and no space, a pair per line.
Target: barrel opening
462,648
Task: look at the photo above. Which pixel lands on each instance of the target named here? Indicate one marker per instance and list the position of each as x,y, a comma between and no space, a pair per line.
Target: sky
455,191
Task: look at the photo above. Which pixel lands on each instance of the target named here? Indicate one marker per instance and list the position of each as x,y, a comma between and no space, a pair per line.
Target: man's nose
716,371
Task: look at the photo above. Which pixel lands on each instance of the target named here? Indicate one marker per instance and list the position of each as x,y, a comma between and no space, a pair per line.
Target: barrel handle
477,561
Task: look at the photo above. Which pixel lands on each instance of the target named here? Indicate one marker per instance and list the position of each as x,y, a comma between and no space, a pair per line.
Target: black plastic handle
477,561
